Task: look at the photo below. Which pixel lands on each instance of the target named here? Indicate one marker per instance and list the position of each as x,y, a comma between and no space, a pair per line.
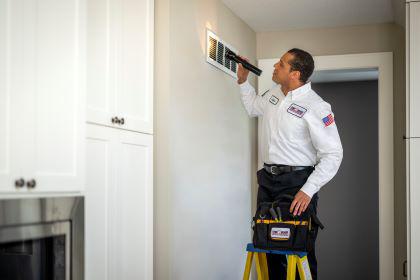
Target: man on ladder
300,144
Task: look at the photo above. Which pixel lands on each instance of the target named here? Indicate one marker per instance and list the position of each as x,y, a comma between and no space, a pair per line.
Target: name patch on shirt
274,100
296,110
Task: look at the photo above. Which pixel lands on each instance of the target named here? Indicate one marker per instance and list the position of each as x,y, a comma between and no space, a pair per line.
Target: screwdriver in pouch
273,214
279,213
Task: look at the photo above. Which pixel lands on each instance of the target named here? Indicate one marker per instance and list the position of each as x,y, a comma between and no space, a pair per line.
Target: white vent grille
216,49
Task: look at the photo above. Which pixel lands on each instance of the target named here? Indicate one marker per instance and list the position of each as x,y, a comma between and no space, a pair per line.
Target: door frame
382,61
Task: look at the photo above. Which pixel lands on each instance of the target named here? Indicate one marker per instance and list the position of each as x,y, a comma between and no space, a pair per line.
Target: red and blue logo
328,120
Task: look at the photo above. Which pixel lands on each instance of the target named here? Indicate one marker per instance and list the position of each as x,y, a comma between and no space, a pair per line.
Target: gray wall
348,248
387,37
205,146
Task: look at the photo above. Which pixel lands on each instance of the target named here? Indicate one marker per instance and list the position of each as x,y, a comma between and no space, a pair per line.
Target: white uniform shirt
298,130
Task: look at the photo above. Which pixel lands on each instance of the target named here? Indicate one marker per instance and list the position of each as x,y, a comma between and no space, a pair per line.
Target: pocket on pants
259,176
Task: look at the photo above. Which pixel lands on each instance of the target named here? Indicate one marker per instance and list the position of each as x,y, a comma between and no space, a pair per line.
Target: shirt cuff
245,86
309,189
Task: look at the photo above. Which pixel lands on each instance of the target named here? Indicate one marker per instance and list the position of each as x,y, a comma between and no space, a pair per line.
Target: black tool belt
275,228
277,169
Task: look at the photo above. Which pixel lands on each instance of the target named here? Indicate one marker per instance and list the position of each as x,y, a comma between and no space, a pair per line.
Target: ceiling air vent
216,49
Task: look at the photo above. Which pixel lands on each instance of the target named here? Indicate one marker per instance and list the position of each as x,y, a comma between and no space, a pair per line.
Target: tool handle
273,214
278,212
232,56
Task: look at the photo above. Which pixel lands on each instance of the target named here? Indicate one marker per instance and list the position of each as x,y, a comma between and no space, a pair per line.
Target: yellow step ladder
293,258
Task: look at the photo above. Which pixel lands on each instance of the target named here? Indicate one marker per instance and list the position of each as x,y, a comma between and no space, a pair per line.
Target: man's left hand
300,203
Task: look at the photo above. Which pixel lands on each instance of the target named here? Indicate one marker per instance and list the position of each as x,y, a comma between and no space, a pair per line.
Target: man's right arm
253,103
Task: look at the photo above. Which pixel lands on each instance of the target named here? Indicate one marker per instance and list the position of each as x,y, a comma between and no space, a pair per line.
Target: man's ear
296,75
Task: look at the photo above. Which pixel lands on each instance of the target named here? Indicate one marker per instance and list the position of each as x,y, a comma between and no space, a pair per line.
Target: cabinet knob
31,184
115,120
20,183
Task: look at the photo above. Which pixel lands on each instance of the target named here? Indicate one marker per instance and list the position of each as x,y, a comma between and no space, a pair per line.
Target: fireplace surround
42,238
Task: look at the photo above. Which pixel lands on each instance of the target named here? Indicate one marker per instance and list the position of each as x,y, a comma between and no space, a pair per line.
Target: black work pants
272,186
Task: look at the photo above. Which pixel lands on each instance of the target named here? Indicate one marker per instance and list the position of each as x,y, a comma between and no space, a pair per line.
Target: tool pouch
294,233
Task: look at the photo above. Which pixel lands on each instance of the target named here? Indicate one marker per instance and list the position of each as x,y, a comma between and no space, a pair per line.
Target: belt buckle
272,169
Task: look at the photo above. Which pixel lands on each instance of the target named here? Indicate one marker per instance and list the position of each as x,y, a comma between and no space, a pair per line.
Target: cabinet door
16,93
5,97
100,185
100,62
132,200
414,69
135,59
414,207
55,74
11,91
120,63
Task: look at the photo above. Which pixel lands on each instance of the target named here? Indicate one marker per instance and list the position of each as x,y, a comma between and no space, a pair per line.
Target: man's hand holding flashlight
242,72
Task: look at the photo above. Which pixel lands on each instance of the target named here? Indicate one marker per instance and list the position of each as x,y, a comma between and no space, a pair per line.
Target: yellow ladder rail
294,259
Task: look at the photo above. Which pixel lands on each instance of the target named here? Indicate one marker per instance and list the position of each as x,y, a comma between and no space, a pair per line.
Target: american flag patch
328,120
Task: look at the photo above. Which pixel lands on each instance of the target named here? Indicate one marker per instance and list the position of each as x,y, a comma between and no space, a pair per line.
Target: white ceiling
275,15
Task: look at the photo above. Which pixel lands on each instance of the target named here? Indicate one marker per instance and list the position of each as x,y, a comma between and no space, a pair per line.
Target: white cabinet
413,137
133,200
100,184
119,204
414,206
119,189
11,120
120,64
42,95
413,69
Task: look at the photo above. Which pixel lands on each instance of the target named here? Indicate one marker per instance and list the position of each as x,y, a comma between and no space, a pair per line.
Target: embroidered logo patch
274,100
280,233
328,120
296,110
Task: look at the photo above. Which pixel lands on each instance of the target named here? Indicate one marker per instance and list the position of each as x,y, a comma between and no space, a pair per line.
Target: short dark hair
302,62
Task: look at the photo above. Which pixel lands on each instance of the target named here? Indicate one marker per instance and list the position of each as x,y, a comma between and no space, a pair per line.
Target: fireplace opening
37,259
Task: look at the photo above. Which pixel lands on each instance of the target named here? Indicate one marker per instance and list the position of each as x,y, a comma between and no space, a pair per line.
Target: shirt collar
300,91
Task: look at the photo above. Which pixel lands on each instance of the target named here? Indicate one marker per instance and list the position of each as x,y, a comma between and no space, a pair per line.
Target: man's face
281,73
